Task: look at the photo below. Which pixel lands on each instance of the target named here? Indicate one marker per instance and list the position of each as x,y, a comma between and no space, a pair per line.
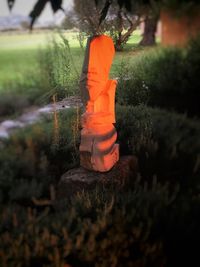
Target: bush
133,228
35,157
19,94
155,222
12,103
131,87
54,74
57,69
165,78
166,143
167,146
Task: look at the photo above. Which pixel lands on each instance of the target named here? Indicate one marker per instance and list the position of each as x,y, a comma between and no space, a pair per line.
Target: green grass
32,40
15,63
19,52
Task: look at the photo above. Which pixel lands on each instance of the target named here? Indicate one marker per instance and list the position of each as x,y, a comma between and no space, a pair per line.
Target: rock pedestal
79,179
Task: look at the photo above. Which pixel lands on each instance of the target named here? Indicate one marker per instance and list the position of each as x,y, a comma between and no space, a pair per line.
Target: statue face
96,67
101,56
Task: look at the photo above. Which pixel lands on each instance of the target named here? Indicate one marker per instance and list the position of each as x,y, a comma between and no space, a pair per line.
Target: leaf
10,4
37,10
39,6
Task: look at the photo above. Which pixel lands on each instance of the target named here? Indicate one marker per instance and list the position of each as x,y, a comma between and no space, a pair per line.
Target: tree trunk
150,27
118,41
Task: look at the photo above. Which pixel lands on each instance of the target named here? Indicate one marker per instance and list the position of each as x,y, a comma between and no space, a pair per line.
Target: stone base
79,179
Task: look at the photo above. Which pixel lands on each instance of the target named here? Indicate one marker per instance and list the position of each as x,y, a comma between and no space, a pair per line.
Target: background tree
89,18
123,23
120,17
151,12
151,18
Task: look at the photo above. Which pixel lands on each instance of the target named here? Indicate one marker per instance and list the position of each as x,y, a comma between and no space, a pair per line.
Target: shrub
20,93
54,73
166,143
133,228
155,222
165,78
35,157
12,103
57,69
89,231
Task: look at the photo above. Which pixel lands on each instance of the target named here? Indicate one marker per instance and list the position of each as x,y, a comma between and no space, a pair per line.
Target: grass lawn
14,63
19,54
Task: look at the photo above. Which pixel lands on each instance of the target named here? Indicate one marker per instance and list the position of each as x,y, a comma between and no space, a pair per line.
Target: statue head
96,67
101,53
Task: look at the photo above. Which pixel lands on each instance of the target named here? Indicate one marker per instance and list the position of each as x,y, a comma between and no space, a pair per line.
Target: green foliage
19,81
35,157
131,88
24,71
56,69
134,127
12,103
165,78
167,144
132,228
74,231
88,17
54,73
143,225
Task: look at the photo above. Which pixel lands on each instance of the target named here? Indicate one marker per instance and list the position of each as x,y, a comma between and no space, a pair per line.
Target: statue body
98,150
